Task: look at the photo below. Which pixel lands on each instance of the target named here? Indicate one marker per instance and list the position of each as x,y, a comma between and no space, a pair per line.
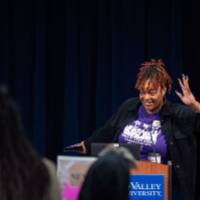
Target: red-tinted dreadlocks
156,72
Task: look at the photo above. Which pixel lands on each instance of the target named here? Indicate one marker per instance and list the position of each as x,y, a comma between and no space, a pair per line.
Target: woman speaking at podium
165,131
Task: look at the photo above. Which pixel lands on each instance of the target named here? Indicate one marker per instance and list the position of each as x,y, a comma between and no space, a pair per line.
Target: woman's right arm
107,133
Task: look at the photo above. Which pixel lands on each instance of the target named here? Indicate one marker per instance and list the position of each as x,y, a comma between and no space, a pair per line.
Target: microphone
74,147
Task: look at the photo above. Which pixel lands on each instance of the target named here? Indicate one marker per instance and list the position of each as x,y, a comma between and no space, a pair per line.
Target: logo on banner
146,187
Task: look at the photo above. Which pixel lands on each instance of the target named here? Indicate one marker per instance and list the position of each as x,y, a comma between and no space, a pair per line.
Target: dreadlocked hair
155,71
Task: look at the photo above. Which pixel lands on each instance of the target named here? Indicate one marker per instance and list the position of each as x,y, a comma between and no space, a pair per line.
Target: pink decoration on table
70,192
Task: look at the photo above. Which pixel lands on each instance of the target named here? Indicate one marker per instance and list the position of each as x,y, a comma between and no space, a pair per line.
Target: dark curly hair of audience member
22,173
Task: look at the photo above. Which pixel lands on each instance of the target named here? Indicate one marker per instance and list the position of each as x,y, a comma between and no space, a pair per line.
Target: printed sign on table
71,171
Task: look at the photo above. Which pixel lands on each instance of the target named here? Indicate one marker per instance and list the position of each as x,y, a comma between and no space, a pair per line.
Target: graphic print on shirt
141,133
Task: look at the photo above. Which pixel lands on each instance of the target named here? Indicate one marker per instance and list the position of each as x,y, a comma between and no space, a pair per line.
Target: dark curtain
70,64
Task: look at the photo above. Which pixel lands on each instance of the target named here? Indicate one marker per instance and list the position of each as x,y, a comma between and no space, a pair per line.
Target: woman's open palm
186,94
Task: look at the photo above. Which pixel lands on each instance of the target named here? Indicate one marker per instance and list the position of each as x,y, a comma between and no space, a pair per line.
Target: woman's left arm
186,95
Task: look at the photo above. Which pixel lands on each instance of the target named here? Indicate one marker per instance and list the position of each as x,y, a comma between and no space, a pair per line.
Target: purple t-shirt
146,130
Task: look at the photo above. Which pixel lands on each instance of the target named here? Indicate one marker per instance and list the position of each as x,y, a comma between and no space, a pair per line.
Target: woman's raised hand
186,95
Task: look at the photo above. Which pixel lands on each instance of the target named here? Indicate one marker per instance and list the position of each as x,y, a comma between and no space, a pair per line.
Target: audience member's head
22,174
108,177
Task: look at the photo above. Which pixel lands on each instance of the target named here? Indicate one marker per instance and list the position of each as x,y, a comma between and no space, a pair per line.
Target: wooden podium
145,167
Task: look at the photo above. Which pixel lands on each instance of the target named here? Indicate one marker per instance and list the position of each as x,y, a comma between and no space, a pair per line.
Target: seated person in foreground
23,175
108,177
